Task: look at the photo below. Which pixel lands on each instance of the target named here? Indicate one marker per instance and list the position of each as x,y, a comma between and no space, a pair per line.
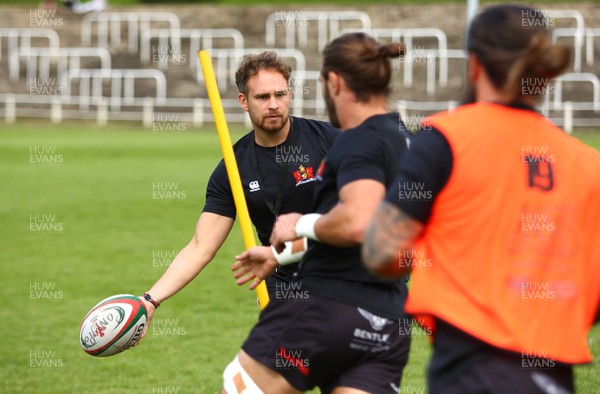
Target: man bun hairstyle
541,62
394,49
362,62
513,45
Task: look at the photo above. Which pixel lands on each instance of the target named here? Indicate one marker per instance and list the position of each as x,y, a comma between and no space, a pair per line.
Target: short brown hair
253,63
362,62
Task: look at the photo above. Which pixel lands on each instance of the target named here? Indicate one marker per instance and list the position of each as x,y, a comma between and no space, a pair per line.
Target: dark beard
333,118
262,124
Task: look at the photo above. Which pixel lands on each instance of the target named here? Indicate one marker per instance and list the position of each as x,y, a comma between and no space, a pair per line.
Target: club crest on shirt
304,175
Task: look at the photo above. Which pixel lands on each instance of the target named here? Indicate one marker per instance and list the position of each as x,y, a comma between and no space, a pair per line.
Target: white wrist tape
287,256
305,227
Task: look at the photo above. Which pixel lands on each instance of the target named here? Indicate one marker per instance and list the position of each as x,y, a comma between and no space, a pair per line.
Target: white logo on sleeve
254,187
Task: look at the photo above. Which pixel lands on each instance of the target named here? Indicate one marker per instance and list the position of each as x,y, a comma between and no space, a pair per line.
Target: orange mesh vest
513,241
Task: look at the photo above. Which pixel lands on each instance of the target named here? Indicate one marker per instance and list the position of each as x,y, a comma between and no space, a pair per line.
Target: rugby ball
113,325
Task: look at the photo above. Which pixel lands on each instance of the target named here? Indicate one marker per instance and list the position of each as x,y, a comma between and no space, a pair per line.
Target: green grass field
88,225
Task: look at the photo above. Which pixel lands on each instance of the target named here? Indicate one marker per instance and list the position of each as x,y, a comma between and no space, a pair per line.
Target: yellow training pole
230,163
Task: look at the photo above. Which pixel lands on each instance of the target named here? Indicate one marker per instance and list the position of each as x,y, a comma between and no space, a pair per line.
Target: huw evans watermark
45,19
44,291
40,358
44,154
290,291
167,191
45,223
294,18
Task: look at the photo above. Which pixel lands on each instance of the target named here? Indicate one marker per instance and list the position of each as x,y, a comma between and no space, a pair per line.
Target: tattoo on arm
389,232
375,236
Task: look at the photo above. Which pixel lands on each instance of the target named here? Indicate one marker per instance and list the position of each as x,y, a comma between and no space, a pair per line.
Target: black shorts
500,374
317,342
462,364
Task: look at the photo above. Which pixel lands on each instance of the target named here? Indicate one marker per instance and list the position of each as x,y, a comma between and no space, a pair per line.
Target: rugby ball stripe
112,325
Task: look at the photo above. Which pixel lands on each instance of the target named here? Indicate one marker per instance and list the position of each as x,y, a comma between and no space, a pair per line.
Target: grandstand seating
21,37
590,35
138,24
122,85
593,104
297,23
579,30
154,46
169,43
38,60
226,62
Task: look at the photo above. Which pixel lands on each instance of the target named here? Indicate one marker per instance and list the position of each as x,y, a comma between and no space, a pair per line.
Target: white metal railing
409,34
21,37
557,91
169,44
197,110
297,22
227,61
311,79
588,33
122,83
137,24
38,60
59,107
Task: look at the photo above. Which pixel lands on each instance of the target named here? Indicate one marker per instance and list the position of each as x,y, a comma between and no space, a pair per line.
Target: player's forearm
344,225
341,227
387,249
190,261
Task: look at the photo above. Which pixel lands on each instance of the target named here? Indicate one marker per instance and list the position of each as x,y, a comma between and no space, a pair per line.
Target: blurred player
337,327
506,264
277,162
77,6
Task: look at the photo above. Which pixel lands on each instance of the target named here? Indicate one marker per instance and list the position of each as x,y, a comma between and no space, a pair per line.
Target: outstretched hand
255,264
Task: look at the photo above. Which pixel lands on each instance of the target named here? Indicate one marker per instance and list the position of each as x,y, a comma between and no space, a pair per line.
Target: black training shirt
425,170
370,151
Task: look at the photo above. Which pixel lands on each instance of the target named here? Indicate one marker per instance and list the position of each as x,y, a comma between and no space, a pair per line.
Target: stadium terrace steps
182,82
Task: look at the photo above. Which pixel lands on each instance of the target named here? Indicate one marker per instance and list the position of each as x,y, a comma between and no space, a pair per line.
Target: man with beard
503,242
277,161
337,326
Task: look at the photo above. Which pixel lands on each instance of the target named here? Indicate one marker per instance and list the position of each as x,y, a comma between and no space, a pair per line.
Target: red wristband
151,300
